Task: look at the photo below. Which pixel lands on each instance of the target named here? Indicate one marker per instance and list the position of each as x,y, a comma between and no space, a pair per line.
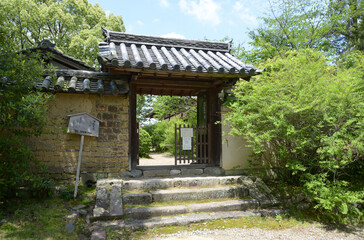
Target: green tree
169,106
349,33
304,119
332,26
22,114
144,108
74,25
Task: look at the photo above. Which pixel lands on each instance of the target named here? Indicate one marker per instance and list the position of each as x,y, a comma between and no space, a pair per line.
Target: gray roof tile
162,54
87,82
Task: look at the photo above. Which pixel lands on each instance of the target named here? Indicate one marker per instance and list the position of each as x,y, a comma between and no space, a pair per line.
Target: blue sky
191,19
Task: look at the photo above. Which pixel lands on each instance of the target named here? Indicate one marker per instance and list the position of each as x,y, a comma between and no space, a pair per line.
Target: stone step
163,183
174,171
230,205
181,220
186,194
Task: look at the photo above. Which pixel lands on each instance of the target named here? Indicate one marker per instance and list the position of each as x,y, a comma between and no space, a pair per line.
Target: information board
186,132
186,143
83,124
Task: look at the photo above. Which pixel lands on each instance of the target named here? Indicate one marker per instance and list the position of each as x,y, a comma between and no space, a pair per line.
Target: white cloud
173,35
244,13
164,3
206,11
140,23
156,20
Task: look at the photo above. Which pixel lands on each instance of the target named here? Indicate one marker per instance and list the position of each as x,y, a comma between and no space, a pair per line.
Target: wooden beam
149,86
179,83
202,75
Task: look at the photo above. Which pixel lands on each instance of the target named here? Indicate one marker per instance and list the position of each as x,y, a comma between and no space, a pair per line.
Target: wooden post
175,144
133,136
213,129
78,166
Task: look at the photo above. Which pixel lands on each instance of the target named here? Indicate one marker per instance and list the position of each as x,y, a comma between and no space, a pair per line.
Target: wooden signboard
82,124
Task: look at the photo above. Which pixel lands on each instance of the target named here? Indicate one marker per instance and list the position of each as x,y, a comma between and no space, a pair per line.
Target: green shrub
169,133
157,133
304,119
17,170
22,114
145,143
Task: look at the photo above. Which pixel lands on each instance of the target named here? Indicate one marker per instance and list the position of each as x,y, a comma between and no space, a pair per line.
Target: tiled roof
88,82
130,51
46,45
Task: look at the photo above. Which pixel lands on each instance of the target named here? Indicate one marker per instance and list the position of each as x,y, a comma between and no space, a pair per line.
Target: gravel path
297,233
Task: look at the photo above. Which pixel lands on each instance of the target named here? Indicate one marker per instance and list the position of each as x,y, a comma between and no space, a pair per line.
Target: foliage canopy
304,119
73,25
332,26
22,114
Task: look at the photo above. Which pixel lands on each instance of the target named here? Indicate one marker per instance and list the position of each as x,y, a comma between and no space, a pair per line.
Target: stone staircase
155,202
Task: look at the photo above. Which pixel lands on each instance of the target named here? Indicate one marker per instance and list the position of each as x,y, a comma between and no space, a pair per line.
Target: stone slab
175,172
214,171
192,171
137,198
116,201
147,212
132,174
183,219
99,212
196,194
156,173
231,205
162,183
98,234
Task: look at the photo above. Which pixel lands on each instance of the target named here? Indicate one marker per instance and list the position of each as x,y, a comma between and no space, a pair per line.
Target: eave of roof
136,53
47,46
87,82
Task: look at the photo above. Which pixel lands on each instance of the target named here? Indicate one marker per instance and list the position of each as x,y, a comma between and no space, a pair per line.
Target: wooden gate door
191,145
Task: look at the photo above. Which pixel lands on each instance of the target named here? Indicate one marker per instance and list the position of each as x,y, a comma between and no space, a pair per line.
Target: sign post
82,124
78,166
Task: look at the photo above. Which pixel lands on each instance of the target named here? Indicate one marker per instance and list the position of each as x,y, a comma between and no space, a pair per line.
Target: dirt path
157,159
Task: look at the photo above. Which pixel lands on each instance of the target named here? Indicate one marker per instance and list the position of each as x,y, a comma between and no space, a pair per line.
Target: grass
184,202
42,218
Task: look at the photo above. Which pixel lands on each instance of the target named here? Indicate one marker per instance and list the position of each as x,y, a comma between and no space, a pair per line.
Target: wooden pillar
133,135
214,136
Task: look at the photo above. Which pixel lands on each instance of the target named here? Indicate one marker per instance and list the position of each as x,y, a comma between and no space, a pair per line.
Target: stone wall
104,156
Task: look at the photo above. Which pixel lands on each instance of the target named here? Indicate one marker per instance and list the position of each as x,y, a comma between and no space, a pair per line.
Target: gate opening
173,128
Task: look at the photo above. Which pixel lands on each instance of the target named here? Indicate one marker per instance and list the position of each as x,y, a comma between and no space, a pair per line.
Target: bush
156,132
145,143
17,170
304,119
22,114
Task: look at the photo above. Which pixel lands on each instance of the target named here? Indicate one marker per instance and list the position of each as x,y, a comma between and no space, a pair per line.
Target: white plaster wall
235,154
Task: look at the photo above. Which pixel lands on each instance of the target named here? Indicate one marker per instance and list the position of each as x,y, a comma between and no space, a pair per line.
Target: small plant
279,219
